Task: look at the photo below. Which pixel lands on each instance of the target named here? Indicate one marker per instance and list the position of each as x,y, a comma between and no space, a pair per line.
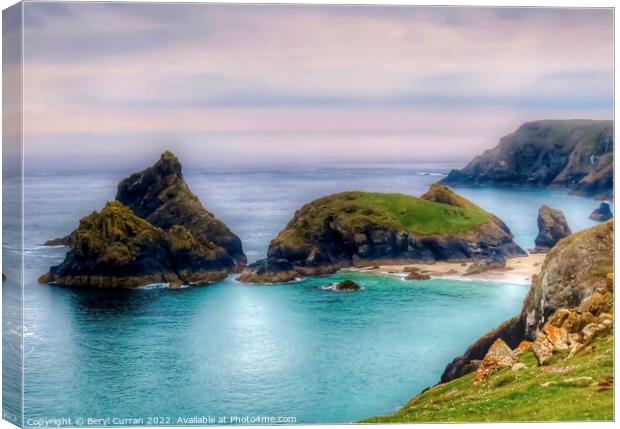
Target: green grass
398,211
572,393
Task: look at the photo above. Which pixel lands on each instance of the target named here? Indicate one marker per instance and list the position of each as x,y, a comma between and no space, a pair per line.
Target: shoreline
518,270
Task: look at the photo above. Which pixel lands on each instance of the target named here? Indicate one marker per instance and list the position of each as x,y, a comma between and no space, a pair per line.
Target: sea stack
160,195
156,231
552,227
357,228
602,213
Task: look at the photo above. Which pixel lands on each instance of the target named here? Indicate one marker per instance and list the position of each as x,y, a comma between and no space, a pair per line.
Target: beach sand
517,270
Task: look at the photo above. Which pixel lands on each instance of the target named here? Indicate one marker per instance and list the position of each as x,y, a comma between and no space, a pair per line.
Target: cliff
553,361
355,227
577,154
572,271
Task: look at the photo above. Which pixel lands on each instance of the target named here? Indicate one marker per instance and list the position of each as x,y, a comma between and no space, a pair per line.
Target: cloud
173,68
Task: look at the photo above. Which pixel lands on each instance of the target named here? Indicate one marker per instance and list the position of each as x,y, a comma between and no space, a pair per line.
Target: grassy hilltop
394,211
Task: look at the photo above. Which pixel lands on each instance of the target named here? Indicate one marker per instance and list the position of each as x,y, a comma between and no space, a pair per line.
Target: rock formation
357,227
160,195
417,275
61,241
567,329
499,356
552,227
347,286
165,235
114,248
577,154
602,213
497,262
574,273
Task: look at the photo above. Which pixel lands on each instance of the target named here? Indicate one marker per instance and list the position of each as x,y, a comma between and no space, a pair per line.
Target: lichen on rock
499,356
576,277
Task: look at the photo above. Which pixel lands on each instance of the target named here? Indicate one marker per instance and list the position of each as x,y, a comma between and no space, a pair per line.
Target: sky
110,84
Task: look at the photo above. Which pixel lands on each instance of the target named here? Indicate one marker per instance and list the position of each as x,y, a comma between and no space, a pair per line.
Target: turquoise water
293,350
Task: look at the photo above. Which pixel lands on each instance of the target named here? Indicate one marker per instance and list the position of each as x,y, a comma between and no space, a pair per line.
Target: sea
234,353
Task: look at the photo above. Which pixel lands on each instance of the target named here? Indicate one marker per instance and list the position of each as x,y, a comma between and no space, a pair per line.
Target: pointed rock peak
114,205
169,164
545,210
442,194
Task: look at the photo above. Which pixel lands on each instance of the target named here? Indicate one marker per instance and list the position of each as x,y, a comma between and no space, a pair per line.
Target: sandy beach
517,270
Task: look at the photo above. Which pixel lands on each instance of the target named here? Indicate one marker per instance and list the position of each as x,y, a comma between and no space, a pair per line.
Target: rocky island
602,213
577,154
356,228
155,231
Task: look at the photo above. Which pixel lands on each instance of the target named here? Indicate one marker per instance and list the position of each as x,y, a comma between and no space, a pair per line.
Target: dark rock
160,195
602,213
572,272
269,270
116,249
552,227
347,286
61,241
416,275
346,229
577,154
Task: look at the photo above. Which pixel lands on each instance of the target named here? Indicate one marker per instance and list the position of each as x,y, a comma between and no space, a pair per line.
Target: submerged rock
357,228
552,227
602,213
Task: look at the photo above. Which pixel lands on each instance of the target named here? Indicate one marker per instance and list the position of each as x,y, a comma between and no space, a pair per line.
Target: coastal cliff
577,154
572,271
553,361
353,228
155,231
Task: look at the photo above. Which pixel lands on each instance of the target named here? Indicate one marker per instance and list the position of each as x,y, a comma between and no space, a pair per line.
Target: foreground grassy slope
577,389
396,211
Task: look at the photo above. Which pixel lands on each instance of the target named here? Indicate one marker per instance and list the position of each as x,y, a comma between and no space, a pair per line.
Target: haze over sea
234,350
